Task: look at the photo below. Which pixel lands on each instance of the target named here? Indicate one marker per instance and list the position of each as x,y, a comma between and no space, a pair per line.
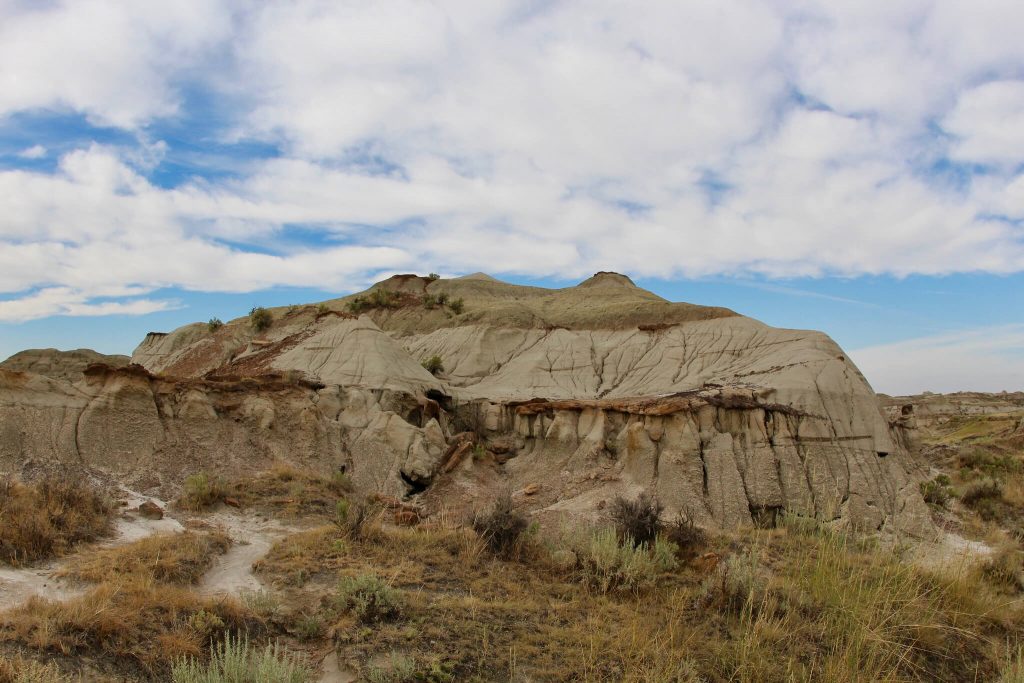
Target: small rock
151,510
232,502
531,489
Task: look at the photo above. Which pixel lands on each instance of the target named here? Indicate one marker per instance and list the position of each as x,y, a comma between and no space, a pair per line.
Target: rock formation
581,394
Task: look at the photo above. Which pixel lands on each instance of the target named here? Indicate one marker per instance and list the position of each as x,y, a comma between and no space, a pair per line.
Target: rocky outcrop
586,393
152,432
65,365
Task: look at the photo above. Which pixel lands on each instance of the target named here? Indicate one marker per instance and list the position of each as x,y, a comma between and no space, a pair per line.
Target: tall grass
47,518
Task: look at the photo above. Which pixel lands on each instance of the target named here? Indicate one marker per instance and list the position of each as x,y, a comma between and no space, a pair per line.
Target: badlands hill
568,397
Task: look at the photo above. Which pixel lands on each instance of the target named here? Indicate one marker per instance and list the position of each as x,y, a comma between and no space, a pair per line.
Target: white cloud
984,359
989,122
66,301
545,139
33,152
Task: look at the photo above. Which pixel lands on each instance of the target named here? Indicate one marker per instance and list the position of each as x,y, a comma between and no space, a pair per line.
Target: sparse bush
457,306
200,491
937,491
399,669
383,298
608,564
370,598
47,518
433,276
309,627
987,462
214,324
340,482
358,304
322,309
986,498
21,670
429,302
260,318
479,452
262,603
351,519
433,365
501,527
638,519
1005,570
736,584
442,298
236,661
687,536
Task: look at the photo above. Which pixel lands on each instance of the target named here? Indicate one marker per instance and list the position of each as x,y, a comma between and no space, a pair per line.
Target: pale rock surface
65,365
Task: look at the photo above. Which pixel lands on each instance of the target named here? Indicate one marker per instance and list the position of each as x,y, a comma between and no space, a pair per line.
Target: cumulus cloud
690,139
985,359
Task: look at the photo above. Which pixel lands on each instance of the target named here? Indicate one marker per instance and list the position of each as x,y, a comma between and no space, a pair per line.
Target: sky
850,166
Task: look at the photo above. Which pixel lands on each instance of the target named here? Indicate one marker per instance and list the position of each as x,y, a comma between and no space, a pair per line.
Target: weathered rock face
153,432
65,365
588,392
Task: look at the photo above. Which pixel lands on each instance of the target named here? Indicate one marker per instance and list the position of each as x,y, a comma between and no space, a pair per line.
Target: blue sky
855,167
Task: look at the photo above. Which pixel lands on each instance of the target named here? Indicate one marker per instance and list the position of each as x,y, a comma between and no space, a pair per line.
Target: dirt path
252,535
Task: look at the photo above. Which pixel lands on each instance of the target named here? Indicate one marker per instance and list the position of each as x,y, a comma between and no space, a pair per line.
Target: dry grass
166,558
283,490
21,670
142,625
45,519
811,606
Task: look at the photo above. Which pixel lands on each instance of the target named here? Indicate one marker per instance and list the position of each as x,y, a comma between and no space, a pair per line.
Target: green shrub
433,276
983,490
370,598
383,298
937,491
309,627
399,669
358,304
433,365
351,519
236,661
442,298
736,584
429,302
322,309
260,318
457,306
992,464
501,527
200,491
609,564
638,519
214,324
262,603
